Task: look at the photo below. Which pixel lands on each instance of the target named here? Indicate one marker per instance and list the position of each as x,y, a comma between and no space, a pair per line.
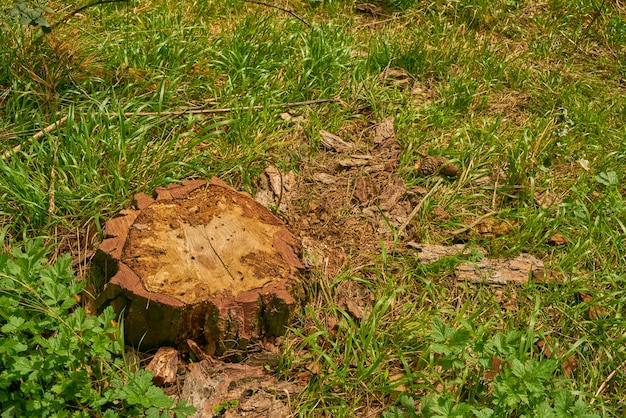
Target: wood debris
429,253
335,143
355,161
557,240
494,271
325,178
488,270
257,394
164,365
370,8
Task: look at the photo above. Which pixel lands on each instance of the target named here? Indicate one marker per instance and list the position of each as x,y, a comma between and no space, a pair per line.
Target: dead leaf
385,130
493,227
164,366
507,298
304,377
440,214
351,307
568,366
595,311
556,240
314,367
545,199
546,276
288,117
496,367
335,143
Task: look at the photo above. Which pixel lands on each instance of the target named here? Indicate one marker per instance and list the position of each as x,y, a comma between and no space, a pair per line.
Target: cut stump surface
202,262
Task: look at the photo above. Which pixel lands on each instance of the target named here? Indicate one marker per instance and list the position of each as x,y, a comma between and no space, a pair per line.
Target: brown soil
344,204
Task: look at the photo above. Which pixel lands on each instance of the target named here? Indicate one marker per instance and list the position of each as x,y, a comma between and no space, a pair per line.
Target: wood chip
351,307
370,8
557,240
164,365
335,143
546,199
354,162
199,352
325,178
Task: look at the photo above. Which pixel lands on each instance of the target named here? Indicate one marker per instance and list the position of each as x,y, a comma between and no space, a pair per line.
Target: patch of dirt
345,203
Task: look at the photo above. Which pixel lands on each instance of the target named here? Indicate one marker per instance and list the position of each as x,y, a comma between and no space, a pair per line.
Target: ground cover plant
526,98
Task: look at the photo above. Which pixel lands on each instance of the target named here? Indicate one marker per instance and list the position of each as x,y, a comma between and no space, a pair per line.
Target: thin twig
53,173
476,222
606,382
80,9
417,208
228,109
37,136
193,111
279,8
378,22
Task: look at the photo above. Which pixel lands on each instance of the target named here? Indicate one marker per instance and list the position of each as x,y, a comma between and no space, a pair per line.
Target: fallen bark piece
236,390
516,270
487,270
356,161
164,365
201,262
429,253
335,143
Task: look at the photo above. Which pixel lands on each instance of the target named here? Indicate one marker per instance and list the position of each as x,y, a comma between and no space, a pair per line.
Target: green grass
530,89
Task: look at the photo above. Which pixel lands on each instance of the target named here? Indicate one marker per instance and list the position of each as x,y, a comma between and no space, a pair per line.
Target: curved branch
80,9
279,8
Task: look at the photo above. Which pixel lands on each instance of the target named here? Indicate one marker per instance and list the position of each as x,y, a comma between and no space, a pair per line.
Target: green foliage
225,406
55,359
523,384
29,13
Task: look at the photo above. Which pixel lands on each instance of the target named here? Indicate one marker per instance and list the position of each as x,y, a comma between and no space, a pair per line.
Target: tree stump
202,262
